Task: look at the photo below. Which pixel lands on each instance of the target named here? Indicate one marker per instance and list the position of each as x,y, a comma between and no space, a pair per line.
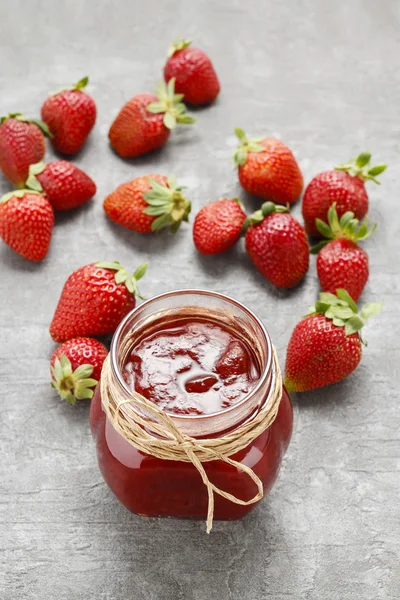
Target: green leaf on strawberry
123,276
246,146
72,385
259,215
343,311
76,87
17,194
33,182
167,203
171,105
179,44
44,128
360,167
346,227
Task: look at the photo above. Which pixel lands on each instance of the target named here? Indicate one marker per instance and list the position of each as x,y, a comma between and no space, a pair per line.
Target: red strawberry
218,225
76,368
193,71
71,115
267,168
147,204
22,144
344,186
26,223
145,122
325,347
341,263
65,185
94,300
277,245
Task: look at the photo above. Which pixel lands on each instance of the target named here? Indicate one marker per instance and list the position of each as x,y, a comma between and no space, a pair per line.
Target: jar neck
197,304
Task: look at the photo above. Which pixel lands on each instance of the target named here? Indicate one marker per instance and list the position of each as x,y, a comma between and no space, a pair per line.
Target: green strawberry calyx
346,227
179,44
32,182
167,204
266,209
44,128
246,146
121,275
341,309
76,87
72,385
17,194
171,105
361,167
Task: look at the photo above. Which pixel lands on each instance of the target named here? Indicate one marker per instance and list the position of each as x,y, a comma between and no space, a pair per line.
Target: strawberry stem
72,385
17,194
246,146
32,181
171,105
258,217
123,276
341,309
44,128
361,167
76,87
167,204
346,227
179,44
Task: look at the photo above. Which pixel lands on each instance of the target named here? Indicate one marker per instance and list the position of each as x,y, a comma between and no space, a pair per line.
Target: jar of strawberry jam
207,363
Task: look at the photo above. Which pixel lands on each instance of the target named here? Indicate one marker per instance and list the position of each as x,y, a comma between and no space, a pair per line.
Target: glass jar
155,487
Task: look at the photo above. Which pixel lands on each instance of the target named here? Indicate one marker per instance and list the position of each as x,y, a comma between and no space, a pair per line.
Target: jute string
149,429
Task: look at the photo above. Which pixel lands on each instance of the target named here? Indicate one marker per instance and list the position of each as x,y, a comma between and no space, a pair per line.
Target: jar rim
204,418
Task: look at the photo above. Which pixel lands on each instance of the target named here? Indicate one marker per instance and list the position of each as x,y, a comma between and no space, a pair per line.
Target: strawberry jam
206,361
194,368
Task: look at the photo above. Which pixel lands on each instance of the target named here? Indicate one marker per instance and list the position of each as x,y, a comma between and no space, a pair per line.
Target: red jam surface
190,368
194,368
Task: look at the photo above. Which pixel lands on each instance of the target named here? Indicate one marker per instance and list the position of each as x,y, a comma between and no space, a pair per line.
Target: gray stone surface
324,77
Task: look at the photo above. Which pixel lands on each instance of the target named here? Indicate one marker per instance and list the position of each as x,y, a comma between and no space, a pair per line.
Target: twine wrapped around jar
149,429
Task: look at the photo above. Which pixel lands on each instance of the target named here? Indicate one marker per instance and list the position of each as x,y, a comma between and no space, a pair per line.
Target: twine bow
149,429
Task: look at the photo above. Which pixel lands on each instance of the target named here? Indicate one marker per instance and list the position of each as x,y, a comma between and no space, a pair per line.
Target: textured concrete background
322,76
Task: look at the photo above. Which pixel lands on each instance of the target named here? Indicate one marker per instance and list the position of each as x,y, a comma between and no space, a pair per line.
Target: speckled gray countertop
324,77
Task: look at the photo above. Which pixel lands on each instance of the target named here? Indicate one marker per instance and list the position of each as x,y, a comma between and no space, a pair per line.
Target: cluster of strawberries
325,346
26,215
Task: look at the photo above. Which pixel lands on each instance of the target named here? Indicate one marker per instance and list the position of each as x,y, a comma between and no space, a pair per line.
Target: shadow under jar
207,361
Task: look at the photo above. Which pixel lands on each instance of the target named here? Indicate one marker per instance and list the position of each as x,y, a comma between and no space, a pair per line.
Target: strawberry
147,204
325,347
65,185
341,263
26,223
193,71
277,245
70,114
267,168
22,144
344,186
218,225
94,299
76,368
145,122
